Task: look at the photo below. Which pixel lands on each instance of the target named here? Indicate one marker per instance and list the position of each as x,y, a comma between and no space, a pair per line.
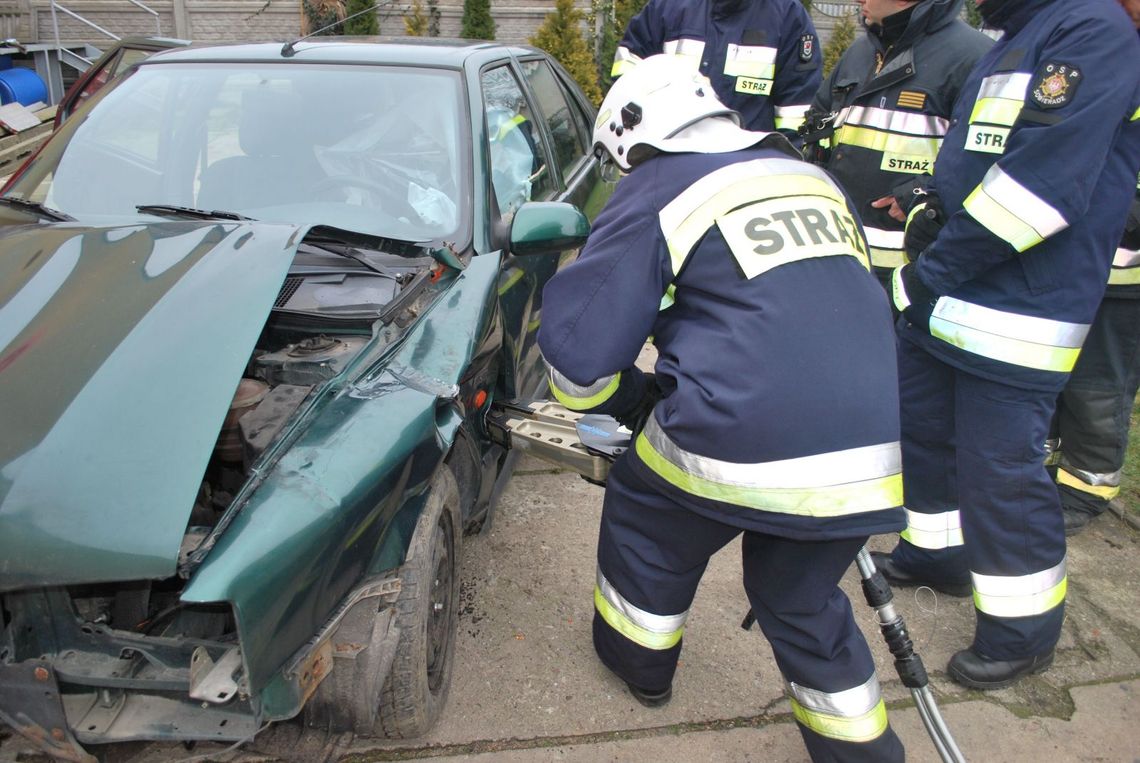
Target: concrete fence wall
226,20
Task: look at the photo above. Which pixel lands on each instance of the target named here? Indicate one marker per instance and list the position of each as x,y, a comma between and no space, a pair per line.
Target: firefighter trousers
652,552
1093,411
980,505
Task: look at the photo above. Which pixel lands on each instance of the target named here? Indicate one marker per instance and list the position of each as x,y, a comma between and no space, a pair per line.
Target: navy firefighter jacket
762,57
1035,175
776,354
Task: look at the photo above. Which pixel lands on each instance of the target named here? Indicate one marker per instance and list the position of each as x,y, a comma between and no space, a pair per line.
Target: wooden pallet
15,148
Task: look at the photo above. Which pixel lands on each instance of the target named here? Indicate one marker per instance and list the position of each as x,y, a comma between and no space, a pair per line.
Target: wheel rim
439,628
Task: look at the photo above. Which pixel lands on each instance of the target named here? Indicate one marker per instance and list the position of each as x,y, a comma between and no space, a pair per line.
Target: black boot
651,697
971,669
900,578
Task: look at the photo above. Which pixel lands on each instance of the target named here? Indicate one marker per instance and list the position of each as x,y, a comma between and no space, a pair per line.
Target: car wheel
415,690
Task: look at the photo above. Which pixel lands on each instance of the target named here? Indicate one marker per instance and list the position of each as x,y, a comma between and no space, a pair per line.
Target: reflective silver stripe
624,60
885,239
853,715
1096,479
1012,86
1126,258
687,218
897,121
1012,212
1125,268
750,61
791,117
886,247
1022,340
1020,595
643,619
849,703
684,46
577,397
933,531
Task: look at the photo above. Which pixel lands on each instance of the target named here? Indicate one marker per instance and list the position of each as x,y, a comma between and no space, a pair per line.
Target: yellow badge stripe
911,99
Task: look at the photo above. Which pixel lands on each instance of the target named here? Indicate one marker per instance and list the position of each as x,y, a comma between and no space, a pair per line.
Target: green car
258,304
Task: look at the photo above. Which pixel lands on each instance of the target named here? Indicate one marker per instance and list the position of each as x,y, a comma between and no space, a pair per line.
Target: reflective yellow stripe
827,485
888,258
1107,492
578,398
877,140
516,275
631,630
1011,211
686,218
898,291
1012,86
853,715
1135,115
933,531
1022,340
1022,595
668,299
996,111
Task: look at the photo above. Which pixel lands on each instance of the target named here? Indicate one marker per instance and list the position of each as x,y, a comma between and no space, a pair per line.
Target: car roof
407,51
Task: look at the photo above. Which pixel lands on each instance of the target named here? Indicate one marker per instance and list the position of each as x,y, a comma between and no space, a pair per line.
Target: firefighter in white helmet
772,411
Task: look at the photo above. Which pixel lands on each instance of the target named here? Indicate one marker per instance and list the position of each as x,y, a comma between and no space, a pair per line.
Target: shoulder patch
1055,84
807,47
911,99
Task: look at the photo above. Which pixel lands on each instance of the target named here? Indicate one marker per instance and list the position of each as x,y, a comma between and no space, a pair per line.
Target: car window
376,149
569,140
518,159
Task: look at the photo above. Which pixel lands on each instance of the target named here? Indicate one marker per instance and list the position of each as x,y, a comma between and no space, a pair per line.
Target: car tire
426,613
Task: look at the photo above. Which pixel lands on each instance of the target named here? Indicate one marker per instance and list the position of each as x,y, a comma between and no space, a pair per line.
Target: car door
556,119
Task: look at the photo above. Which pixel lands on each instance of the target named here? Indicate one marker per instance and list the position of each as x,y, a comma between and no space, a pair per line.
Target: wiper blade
201,214
343,250
39,209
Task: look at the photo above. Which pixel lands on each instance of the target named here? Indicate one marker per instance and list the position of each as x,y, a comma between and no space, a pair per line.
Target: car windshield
375,149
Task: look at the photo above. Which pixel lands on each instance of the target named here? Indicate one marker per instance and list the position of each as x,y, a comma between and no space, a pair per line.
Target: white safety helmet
664,104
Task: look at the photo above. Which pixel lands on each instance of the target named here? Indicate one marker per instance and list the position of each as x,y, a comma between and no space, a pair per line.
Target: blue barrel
24,86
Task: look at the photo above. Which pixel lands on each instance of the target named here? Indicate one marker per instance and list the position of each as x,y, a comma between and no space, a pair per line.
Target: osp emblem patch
1055,84
807,46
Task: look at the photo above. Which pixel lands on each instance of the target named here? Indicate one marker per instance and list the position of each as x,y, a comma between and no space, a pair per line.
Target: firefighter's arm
1044,179
799,67
600,310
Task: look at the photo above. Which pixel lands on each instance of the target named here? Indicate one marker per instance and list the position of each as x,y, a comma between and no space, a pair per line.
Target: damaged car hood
120,351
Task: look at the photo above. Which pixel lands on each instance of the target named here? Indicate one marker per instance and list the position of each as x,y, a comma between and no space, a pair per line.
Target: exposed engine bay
121,650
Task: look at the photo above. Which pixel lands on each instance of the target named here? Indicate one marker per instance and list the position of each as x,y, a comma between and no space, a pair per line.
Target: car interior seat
277,164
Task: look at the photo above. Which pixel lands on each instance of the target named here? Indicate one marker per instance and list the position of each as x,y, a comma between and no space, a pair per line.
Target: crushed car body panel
90,318
313,527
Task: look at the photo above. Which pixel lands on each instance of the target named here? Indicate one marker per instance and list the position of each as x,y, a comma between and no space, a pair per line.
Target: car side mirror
547,227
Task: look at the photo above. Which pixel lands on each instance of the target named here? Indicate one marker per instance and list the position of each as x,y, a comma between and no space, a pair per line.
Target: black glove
634,419
911,296
922,225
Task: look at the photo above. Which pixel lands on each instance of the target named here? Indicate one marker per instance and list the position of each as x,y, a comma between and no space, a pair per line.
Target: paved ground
528,688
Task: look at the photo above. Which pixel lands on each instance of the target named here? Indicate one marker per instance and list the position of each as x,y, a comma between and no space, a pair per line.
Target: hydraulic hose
907,663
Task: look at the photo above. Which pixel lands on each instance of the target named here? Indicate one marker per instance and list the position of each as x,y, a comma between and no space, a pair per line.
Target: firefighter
1035,177
1093,410
761,55
772,411
885,107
